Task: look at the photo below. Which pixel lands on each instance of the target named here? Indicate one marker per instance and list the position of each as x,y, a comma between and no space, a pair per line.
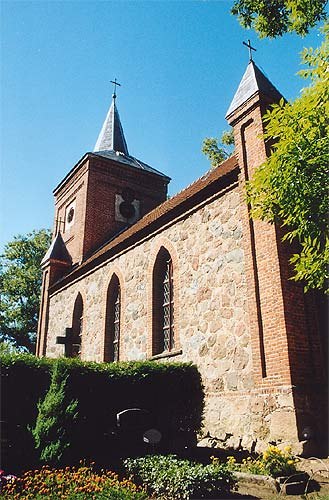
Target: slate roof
253,81
57,251
128,160
111,143
111,136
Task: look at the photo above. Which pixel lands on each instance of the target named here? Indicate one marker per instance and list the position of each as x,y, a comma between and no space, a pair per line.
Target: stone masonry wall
212,325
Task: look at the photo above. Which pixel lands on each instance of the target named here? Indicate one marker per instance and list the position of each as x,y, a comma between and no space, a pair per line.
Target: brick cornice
105,163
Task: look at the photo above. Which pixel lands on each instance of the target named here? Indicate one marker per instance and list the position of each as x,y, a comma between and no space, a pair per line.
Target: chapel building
132,275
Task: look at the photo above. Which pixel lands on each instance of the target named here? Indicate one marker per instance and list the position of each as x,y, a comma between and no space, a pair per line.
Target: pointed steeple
111,137
57,252
253,81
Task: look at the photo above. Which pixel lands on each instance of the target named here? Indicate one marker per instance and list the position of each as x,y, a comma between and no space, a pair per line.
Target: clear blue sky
179,64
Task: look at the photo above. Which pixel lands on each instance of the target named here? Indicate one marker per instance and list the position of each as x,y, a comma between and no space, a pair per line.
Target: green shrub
55,419
170,478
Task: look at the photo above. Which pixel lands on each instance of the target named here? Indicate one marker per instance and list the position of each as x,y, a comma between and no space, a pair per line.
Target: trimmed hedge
24,380
171,392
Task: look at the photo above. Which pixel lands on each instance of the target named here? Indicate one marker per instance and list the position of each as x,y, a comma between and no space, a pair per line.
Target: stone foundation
251,421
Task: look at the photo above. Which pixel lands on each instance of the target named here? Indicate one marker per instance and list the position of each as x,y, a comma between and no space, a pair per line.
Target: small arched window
163,304
112,324
77,327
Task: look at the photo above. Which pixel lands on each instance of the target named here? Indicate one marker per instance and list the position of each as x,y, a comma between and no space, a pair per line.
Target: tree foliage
20,283
55,418
291,187
215,154
215,151
272,18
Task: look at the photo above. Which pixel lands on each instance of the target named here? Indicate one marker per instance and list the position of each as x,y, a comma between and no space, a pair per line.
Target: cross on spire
115,83
250,49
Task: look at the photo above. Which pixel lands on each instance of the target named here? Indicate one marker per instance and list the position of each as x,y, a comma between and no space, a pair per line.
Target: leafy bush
273,462
55,418
170,478
71,483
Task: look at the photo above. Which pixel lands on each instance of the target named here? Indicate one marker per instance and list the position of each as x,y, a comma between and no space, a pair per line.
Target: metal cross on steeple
115,87
250,49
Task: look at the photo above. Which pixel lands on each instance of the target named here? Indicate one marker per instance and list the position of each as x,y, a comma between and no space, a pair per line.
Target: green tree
55,418
20,283
216,152
272,18
291,187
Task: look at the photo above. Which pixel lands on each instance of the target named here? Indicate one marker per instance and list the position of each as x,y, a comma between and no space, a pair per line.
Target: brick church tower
107,191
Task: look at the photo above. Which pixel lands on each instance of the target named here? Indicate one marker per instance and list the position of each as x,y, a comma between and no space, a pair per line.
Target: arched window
77,326
112,325
163,303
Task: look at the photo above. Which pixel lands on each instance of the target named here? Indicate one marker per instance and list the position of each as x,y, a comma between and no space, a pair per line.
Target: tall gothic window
112,326
77,327
163,303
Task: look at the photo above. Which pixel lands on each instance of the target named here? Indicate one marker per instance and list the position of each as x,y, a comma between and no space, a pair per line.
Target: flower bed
161,476
70,483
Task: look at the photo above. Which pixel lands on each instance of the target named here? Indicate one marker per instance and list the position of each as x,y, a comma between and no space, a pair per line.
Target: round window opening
127,210
70,215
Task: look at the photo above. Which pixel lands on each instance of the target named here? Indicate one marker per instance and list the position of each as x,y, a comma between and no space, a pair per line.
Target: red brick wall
52,272
93,188
106,179
285,340
43,315
74,189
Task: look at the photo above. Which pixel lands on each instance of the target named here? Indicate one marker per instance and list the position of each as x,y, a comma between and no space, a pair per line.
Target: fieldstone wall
212,325
251,420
